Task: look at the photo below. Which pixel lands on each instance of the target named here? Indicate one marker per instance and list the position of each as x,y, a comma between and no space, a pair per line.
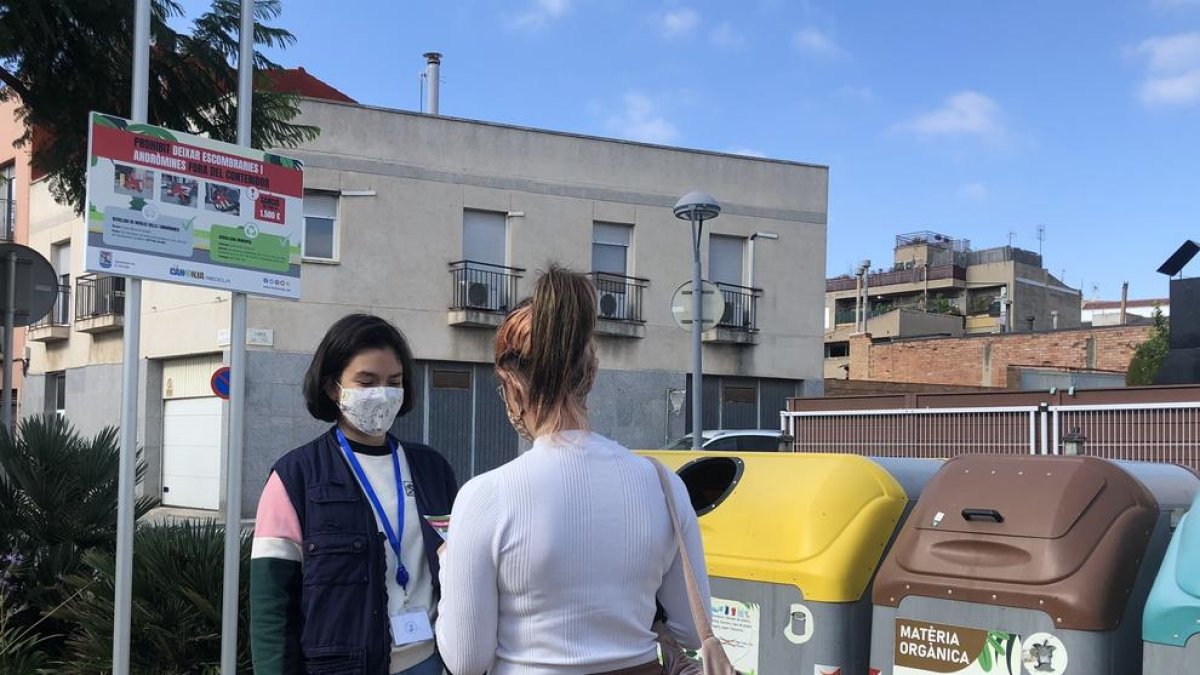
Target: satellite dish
36,288
712,305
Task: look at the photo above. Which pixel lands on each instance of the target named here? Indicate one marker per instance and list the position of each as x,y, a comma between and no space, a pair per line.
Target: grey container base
1088,652
1172,660
838,634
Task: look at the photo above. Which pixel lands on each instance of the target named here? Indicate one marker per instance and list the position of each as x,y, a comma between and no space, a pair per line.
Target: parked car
738,440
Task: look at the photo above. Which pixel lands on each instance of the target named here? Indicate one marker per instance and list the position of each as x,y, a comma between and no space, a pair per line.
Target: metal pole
131,351
857,303
9,320
237,381
697,343
866,327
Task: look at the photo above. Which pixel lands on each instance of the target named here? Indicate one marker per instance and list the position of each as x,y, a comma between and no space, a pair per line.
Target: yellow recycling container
792,543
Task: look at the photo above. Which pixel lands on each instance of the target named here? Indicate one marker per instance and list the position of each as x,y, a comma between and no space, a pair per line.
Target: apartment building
937,285
441,225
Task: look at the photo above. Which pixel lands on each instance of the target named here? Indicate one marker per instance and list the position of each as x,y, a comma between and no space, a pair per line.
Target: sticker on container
924,648
735,624
800,626
827,670
1043,654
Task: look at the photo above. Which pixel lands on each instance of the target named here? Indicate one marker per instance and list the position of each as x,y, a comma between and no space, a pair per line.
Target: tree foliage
1149,356
61,59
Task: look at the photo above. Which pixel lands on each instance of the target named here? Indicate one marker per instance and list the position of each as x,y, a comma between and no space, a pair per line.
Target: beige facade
15,176
403,184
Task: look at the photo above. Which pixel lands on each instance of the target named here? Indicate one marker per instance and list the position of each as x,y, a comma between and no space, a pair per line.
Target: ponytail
547,346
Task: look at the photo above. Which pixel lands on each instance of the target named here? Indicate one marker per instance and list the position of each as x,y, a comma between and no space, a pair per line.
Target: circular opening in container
709,481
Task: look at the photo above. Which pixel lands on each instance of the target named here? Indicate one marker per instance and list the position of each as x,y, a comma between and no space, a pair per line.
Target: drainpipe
433,65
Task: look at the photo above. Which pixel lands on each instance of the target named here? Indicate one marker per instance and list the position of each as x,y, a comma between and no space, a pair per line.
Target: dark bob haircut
349,337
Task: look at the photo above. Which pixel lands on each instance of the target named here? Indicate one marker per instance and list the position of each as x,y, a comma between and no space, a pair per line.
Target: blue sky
971,118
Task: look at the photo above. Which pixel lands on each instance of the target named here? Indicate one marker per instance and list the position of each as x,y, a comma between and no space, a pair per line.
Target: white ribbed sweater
555,560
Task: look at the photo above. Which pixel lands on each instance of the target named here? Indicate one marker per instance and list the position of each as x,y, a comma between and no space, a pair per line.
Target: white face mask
371,410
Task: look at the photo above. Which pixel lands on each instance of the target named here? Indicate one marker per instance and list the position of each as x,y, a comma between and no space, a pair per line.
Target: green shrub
177,583
58,501
1150,354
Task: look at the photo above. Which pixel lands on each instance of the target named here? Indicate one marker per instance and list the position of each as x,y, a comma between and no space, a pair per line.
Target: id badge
411,625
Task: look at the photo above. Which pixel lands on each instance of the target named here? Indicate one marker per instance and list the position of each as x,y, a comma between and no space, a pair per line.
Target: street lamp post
697,207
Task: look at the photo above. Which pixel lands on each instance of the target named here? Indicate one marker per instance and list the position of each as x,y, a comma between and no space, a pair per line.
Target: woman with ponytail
557,559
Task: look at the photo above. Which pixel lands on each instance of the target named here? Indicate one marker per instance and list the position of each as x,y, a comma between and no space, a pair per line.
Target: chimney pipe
433,65
1124,301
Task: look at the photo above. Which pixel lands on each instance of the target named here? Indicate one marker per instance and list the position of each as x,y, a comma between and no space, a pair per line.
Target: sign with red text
168,206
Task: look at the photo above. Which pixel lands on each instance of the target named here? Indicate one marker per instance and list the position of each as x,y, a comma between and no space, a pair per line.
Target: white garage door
192,452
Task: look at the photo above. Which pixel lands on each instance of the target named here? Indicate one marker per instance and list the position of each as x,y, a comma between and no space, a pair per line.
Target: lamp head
697,205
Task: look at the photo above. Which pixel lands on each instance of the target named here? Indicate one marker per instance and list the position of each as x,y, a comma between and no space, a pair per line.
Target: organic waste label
924,648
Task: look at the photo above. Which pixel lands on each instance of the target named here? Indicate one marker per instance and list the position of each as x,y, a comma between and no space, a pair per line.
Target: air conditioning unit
612,305
480,295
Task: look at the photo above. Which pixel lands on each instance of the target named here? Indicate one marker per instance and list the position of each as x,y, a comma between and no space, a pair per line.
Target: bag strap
700,613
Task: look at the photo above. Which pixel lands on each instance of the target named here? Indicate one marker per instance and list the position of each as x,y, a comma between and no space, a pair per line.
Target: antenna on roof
1041,237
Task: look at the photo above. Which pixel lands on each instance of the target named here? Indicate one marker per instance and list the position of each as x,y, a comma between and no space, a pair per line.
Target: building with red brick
1081,357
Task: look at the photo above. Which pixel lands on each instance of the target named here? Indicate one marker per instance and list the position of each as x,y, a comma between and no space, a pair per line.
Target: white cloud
679,21
967,113
727,37
748,152
640,120
975,192
864,94
1172,69
1171,53
543,11
813,41
1177,90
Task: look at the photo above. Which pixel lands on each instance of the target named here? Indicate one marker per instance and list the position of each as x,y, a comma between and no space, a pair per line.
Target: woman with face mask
344,570
558,557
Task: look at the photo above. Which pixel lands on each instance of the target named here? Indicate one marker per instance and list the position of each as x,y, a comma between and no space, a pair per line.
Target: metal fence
1154,432
60,314
741,307
1157,432
8,219
483,286
921,432
618,297
99,295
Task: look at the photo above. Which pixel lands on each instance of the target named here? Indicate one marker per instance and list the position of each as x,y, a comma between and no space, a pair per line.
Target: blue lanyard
393,536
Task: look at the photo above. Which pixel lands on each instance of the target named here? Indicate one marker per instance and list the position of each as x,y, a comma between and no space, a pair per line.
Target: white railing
918,432
1159,432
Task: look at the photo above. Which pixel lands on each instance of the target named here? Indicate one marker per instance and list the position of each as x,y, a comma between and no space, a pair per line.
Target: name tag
411,625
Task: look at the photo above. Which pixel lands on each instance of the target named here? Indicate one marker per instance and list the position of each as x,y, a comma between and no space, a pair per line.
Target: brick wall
985,360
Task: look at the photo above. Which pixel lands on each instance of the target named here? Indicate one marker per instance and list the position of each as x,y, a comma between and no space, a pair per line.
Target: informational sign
220,382
924,648
735,625
169,206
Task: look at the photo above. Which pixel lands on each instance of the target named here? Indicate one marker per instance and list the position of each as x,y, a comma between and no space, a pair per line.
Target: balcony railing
60,313
98,295
483,287
8,219
618,297
741,307
915,275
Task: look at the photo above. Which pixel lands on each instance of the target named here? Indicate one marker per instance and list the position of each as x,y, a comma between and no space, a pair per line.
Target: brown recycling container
1026,564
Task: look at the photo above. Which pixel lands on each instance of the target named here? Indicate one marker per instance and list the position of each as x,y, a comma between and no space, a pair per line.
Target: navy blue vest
343,598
